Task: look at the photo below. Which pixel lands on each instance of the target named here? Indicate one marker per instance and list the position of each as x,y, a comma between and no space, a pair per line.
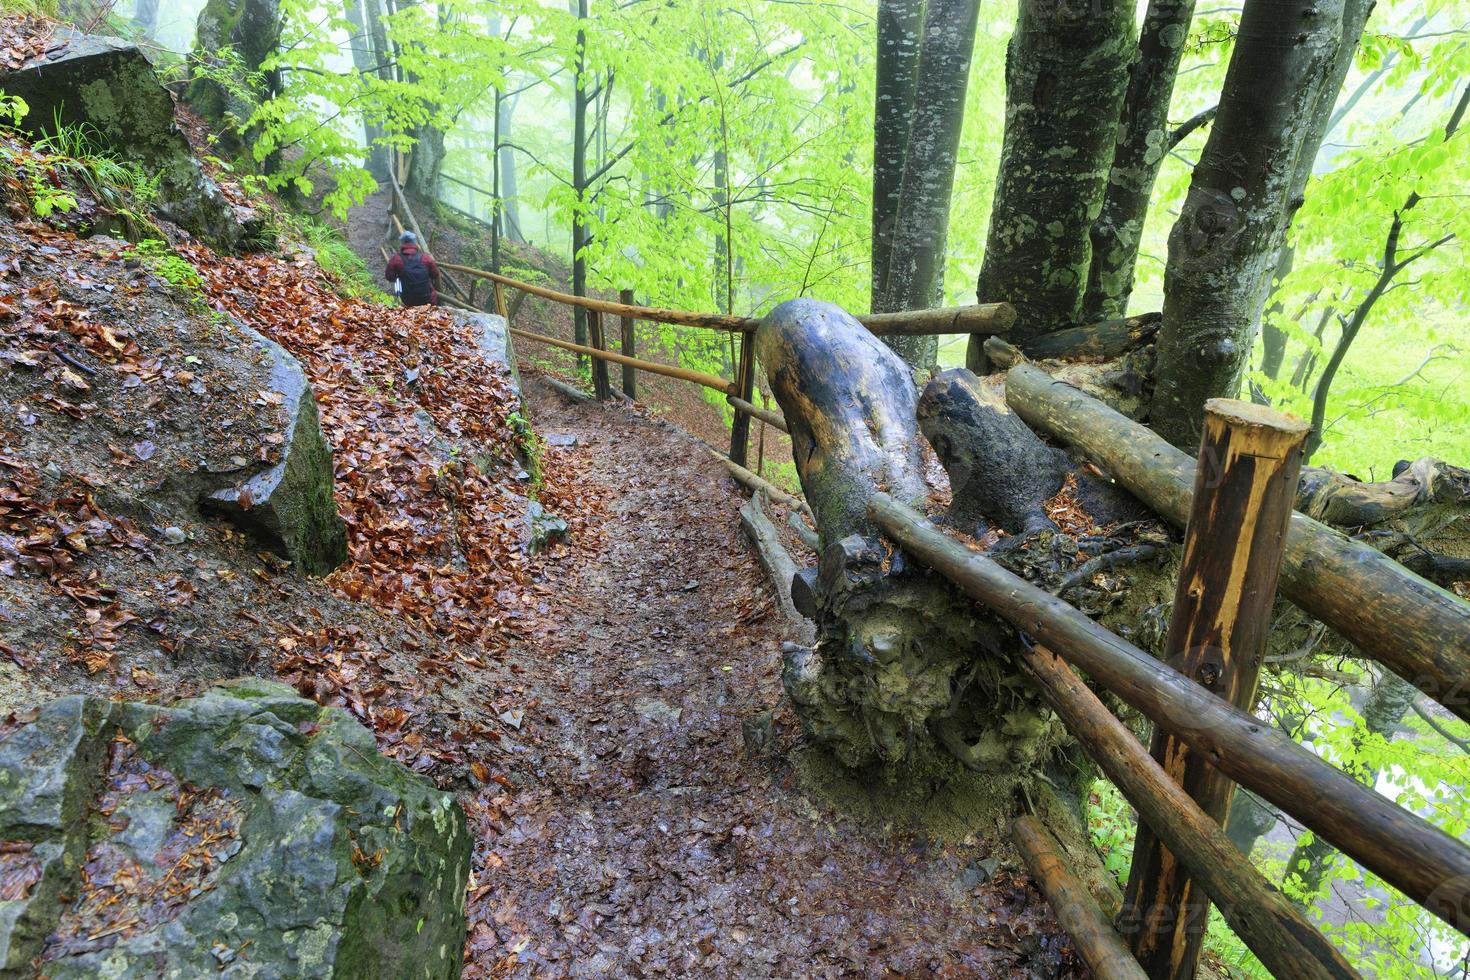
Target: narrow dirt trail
643,839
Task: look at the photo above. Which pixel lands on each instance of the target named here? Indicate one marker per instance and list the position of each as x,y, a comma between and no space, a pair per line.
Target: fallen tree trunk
1416,628
774,557
1107,339
903,669
1420,860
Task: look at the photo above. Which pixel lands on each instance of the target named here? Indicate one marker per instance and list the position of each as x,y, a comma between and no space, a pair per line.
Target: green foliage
31,8
335,257
172,268
12,110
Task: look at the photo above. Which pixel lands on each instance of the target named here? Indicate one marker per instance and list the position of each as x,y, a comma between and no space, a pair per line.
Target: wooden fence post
745,383
500,308
1244,489
600,385
630,345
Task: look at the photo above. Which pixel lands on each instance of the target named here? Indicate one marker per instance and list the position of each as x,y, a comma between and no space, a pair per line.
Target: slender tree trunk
145,17
579,178
916,260
1066,74
900,23
510,205
1143,135
1223,248
1312,858
364,62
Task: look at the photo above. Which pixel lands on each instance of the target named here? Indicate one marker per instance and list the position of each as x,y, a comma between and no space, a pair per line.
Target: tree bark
510,205
579,178
1143,142
1066,73
900,25
915,277
1224,245
364,63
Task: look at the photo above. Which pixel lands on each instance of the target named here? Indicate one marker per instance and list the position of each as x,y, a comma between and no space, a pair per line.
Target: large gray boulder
245,833
109,85
289,505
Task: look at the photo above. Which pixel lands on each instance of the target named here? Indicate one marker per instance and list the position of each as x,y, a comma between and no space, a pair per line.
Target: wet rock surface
289,504
248,831
108,85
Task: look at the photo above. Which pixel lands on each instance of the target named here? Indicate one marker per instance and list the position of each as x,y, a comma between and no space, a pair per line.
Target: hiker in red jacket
413,273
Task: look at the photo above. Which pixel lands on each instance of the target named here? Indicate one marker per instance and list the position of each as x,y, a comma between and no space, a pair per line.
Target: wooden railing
1241,534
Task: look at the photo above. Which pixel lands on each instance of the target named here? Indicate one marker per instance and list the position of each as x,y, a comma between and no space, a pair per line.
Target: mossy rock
247,832
108,86
289,505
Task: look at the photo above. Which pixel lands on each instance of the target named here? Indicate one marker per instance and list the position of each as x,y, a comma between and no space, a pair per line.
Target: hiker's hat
408,238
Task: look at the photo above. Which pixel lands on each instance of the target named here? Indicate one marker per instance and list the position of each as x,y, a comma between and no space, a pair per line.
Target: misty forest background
727,164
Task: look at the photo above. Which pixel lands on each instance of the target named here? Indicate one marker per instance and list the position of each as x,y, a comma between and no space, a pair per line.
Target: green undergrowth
348,273
174,269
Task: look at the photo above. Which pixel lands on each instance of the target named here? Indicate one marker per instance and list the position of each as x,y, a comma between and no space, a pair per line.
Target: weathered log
982,318
773,555
1000,473
570,392
1261,916
849,403
759,484
804,531
1243,492
1100,947
1420,860
902,669
999,470
1002,354
765,415
1416,628
1108,339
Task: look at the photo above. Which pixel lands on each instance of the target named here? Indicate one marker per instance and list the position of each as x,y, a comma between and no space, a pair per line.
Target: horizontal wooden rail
977,318
1423,862
1264,919
1416,628
992,318
755,411
715,321
1102,949
759,484
653,367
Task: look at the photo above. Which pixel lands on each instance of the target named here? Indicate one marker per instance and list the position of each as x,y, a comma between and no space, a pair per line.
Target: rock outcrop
289,505
247,832
109,85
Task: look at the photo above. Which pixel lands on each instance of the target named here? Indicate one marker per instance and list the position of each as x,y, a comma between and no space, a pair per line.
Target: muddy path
640,837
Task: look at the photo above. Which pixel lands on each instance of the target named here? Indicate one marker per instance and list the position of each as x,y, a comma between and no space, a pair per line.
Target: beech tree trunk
365,63
509,201
900,25
579,178
1066,74
915,277
1223,248
1143,141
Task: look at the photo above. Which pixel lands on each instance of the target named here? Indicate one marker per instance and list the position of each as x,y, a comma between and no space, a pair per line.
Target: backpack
415,279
